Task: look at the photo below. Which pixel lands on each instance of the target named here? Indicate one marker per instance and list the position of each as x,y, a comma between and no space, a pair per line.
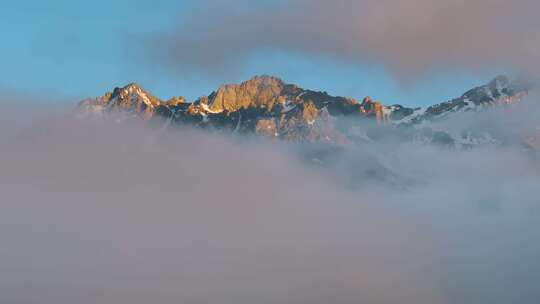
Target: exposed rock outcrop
260,91
131,100
268,106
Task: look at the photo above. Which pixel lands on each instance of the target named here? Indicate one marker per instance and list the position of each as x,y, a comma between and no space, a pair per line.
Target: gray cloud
410,38
103,213
100,212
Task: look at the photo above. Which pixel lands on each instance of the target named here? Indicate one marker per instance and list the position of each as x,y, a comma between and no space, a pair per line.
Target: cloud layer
100,212
410,38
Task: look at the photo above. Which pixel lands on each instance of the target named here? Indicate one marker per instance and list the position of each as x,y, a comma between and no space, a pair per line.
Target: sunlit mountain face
326,130
267,106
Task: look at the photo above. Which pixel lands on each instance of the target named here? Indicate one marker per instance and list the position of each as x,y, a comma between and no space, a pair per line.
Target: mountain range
267,106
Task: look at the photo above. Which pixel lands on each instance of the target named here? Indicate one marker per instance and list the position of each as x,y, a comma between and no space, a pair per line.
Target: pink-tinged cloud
410,37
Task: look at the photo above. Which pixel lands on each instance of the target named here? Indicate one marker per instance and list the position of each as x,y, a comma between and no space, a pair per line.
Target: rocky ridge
269,107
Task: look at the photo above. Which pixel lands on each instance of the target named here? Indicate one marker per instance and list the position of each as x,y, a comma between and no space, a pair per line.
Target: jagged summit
132,99
267,105
265,80
500,90
260,91
131,86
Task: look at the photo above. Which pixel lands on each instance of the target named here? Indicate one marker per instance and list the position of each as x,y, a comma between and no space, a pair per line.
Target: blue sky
78,49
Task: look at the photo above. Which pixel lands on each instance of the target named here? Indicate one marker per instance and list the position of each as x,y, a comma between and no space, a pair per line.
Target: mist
95,211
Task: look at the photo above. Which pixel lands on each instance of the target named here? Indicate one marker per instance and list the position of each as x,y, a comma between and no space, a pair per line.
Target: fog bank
100,212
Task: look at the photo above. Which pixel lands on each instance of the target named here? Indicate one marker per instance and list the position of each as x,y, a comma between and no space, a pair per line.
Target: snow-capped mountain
499,91
131,99
268,106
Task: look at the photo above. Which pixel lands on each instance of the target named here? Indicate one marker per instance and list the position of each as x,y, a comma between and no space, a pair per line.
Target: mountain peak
259,91
131,98
132,85
265,80
131,88
259,82
267,105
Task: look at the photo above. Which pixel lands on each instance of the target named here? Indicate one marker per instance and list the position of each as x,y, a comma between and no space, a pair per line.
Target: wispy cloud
410,38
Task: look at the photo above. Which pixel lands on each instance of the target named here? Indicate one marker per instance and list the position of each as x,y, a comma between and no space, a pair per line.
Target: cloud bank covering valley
99,212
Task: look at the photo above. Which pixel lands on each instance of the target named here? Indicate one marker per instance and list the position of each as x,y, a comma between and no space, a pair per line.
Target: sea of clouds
93,211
